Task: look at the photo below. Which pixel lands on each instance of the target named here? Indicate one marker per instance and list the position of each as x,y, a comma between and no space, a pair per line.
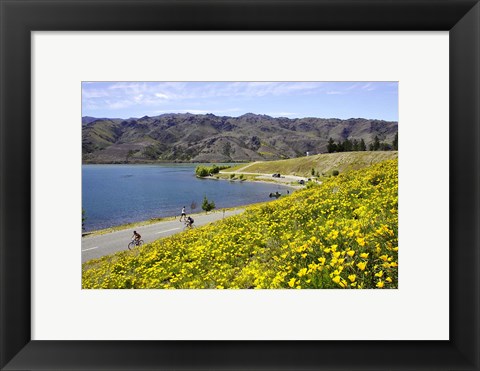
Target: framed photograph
141,114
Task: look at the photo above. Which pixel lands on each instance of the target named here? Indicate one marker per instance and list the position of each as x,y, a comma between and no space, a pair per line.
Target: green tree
331,146
207,205
201,171
395,142
362,146
313,171
340,147
347,145
376,143
385,146
355,145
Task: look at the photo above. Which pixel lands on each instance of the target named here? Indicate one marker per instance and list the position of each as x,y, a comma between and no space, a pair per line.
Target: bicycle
188,225
135,243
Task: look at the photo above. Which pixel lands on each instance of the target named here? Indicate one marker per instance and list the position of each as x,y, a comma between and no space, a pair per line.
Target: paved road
94,247
283,179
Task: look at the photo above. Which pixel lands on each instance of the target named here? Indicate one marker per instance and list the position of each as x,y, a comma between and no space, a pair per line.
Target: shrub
335,172
207,205
202,171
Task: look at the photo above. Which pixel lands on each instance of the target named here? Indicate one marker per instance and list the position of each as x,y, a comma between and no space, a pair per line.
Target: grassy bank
322,164
341,234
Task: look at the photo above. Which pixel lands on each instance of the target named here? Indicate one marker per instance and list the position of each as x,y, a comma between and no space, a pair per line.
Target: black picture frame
18,18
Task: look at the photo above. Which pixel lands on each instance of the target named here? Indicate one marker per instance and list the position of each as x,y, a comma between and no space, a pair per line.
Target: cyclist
136,237
189,222
184,214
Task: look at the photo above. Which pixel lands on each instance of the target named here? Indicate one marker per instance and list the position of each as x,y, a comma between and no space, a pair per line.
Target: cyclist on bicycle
136,237
189,222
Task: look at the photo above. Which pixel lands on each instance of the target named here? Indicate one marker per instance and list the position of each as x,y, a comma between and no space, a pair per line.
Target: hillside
323,164
210,138
340,234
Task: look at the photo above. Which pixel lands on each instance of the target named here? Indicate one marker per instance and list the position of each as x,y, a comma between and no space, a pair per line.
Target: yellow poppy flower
361,265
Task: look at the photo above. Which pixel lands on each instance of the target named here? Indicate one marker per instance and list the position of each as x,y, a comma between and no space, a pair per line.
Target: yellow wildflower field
342,234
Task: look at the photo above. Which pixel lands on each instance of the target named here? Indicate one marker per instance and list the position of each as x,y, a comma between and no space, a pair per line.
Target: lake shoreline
126,195
273,182
147,222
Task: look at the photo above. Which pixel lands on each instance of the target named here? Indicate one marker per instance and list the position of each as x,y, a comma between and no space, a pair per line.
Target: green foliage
385,147
355,145
202,171
376,143
331,146
232,176
207,205
348,146
335,172
313,171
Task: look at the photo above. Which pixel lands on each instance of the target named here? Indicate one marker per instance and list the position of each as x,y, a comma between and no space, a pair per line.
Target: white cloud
113,105
160,95
368,87
163,95
93,93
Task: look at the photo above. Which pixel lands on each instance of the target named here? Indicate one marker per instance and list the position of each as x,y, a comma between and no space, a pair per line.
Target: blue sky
372,100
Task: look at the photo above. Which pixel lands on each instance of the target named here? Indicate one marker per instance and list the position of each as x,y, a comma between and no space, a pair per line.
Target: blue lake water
118,194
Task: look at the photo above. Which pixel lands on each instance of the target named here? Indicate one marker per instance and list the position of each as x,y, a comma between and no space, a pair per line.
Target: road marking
92,248
168,230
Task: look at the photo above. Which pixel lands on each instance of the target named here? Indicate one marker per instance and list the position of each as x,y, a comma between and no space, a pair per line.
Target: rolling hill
209,138
321,164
